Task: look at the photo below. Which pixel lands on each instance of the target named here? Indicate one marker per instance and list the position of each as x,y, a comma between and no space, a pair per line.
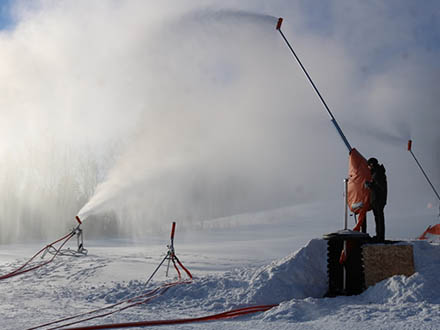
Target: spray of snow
194,156
187,113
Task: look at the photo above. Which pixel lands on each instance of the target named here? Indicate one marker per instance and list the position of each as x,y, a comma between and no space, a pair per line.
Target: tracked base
366,264
354,270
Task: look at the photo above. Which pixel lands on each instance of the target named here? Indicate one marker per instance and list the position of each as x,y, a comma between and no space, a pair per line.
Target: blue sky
6,20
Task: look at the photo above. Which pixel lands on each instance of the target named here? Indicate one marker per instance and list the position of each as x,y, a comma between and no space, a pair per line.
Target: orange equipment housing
358,196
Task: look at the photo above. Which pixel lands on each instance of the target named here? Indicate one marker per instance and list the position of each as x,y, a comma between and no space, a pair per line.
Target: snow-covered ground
273,257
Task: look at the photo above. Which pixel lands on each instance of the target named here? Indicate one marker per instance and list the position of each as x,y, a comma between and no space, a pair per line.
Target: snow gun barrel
78,219
333,120
409,145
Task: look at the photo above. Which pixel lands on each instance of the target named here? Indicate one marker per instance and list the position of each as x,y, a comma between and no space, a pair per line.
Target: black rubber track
355,280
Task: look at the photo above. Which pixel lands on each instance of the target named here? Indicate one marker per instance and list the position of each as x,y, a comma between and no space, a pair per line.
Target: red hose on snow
22,269
214,317
134,301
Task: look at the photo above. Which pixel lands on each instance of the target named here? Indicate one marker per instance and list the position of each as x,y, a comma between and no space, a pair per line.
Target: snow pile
300,275
418,287
296,282
395,303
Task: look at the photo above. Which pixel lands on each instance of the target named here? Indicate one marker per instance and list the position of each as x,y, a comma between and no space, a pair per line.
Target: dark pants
364,225
379,218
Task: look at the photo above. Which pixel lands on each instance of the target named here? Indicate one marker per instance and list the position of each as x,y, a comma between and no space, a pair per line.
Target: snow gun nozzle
173,229
78,219
280,21
409,145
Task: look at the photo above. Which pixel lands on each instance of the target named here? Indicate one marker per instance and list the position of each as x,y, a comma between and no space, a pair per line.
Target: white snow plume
189,110
232,126
398,136
215,137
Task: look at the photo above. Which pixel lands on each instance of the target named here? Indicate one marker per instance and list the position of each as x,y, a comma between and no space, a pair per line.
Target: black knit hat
372,162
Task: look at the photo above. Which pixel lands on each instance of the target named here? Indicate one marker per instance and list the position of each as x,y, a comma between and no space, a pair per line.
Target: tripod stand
172,258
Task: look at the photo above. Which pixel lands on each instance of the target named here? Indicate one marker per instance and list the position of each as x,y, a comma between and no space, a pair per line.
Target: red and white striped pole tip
78,219
280,21
409,145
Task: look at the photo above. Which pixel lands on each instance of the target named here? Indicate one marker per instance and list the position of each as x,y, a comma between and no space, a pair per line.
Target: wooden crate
382,261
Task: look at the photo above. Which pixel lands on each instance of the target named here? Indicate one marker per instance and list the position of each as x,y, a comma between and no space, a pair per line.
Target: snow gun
80,251
51,248
357,195
80,238
423,171
171,257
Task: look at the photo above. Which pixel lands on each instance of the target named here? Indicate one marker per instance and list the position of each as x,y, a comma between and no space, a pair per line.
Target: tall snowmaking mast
423,171
332,118
345,264
357,195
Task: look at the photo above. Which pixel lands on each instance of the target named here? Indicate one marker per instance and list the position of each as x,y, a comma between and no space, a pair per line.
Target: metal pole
155,271
171,246
421,168
344,271
346,203
333,120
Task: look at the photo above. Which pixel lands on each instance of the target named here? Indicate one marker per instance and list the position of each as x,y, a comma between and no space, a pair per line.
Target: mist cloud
190,111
